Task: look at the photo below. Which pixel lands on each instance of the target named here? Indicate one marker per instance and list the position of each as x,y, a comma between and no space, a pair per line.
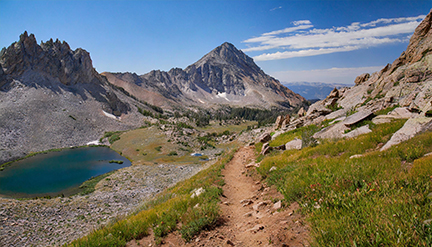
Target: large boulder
318,109
334,131
361,78
357,117
356,132
294,144
279,121
411,128
266,137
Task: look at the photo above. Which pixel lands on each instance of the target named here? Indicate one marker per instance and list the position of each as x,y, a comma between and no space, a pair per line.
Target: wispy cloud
276,8
332,75
302,39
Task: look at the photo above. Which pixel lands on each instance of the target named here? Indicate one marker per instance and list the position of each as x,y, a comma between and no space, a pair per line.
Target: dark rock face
51,62
223,76
53,58
52,97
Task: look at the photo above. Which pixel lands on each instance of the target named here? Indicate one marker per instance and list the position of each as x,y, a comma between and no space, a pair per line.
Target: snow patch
109,115
222,95
97,142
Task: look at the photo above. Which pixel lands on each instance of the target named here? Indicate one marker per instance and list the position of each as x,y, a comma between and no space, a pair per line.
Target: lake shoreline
60,172
4,165
57,221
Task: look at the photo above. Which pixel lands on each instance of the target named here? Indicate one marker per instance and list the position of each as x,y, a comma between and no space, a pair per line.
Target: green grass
290,135
116,161
380,199
89,186
165,213
386,110
112,136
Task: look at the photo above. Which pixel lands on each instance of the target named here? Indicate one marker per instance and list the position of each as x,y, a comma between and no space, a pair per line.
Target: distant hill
313,90
224,76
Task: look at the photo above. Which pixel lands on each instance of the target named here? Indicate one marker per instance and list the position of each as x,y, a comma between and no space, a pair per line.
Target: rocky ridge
404,87
224,76
52,97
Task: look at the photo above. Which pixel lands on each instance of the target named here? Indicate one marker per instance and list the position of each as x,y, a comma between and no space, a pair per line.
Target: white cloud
301,40
288,30
395,20
332,75
301,22
302,53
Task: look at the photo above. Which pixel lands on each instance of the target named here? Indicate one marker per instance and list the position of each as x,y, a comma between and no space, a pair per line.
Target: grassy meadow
376,199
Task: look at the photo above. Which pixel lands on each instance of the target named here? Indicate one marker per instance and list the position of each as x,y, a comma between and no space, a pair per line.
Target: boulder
402,112
356,132
266,149
411,128
398,113
286,121
382,119
301,112
357,117
282,121
333,94
279,121
318,109
361,78
337,114
264,137
294,144
335,131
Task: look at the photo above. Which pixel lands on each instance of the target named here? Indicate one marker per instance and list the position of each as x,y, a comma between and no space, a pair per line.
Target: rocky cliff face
52,97
52,62
55,59
223,76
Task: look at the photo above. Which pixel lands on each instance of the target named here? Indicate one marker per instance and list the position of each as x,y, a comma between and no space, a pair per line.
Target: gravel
54,222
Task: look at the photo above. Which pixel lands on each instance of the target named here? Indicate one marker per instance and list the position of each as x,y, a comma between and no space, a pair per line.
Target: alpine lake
58,172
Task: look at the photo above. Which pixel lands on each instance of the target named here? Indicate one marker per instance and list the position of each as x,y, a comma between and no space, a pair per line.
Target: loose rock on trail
251,213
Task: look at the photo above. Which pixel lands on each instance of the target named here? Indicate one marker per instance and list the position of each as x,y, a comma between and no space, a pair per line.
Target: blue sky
316,41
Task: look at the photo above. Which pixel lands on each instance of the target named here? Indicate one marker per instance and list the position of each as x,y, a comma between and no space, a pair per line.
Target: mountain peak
53,58
227,55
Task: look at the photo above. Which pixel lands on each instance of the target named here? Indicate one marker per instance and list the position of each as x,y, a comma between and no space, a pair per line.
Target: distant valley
52,97
313,90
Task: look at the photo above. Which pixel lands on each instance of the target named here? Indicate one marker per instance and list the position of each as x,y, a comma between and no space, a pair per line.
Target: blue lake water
57,173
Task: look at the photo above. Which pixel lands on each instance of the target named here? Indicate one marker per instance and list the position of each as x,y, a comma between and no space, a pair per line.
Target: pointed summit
228,55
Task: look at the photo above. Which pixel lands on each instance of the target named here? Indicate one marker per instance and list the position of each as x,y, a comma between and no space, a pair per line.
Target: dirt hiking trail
251,213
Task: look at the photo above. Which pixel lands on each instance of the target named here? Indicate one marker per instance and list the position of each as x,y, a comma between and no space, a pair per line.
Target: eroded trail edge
251,213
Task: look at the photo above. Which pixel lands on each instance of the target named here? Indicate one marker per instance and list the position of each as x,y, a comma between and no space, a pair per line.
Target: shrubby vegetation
112,136
202,117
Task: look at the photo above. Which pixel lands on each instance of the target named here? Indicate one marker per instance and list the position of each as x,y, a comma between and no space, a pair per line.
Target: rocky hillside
401,90
224,76
52,97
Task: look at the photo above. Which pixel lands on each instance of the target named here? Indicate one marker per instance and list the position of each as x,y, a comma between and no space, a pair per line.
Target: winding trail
250,213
